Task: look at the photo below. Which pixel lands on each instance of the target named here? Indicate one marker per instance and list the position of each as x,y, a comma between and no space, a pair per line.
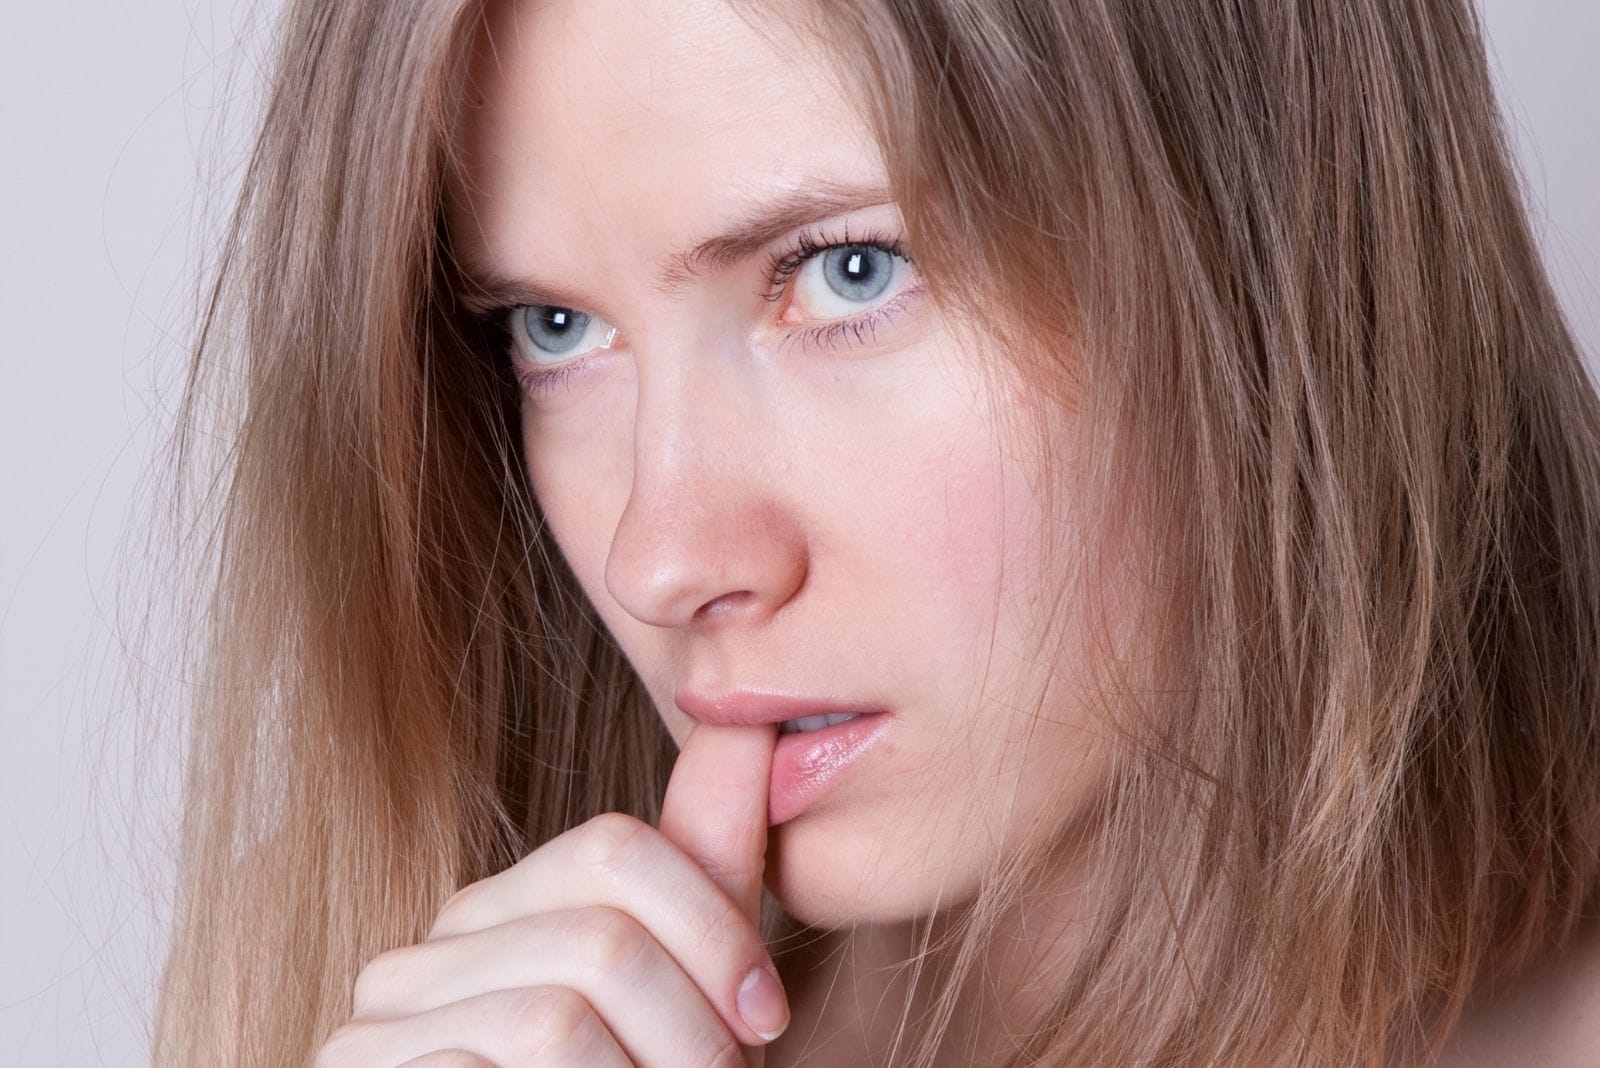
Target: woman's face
798,485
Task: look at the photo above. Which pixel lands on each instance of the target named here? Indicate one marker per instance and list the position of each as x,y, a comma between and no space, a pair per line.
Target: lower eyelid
824,333
536,381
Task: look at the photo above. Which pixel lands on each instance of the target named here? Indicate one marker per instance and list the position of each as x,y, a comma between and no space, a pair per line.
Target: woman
1149,420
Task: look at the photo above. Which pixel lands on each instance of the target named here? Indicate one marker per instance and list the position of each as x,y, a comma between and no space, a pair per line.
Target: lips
807,764
749,708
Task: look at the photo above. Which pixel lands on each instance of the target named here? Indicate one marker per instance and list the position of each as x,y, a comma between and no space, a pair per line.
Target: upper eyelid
484,292
807,246
798,249
794,249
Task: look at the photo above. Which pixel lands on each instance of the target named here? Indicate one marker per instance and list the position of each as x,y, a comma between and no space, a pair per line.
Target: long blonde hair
1275,250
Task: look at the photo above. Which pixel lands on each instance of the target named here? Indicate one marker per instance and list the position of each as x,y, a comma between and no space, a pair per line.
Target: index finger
715,808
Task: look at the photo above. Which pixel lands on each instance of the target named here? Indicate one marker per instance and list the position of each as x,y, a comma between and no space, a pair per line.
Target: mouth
810,760
810,724
743,708
819,738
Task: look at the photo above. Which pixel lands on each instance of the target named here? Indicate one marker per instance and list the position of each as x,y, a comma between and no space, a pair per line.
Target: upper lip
748,708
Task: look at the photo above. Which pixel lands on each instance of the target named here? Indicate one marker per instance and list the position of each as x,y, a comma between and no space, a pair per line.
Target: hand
614,944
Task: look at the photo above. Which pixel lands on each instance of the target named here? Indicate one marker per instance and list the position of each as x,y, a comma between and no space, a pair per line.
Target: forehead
640,121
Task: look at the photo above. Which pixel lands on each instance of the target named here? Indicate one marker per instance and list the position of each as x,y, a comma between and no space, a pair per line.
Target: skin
615,944
750,509
1548,1016
746,509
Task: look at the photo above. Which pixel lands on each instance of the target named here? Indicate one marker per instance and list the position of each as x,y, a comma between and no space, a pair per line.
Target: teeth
814,723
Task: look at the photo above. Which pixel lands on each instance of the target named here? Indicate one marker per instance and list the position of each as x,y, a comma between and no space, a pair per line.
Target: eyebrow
750,230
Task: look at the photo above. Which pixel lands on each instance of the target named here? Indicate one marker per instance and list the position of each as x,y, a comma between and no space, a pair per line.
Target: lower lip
805,765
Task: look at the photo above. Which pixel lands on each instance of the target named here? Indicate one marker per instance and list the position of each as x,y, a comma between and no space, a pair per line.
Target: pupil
555,329
856,272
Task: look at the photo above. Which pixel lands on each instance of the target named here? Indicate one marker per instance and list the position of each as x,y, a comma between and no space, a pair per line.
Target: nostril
721,606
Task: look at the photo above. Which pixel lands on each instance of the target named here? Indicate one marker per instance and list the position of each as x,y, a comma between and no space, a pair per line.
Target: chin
834,887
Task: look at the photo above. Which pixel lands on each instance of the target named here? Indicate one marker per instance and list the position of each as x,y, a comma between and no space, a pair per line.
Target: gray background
115,152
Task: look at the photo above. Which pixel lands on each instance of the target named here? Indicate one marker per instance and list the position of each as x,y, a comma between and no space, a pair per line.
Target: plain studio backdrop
122,127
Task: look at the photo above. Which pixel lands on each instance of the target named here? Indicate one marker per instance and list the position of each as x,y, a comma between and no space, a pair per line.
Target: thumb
715,809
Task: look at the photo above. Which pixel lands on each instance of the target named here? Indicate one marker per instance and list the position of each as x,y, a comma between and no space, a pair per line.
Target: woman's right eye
542,331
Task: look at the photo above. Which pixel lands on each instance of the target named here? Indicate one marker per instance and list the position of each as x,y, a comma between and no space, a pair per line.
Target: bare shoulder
1550,1017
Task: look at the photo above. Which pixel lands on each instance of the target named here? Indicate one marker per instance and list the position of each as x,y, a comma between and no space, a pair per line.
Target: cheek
574,497
966,535
971,516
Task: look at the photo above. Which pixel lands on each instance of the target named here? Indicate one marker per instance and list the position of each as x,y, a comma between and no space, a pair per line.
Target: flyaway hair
1274,250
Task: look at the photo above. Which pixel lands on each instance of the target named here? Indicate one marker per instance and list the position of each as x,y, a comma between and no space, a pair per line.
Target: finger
449,1058
617,861
715,808
537,1025
655,1011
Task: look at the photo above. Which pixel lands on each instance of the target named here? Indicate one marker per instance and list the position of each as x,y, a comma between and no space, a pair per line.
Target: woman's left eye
846,289
840,279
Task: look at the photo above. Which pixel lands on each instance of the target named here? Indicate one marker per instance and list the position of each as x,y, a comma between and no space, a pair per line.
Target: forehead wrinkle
758,227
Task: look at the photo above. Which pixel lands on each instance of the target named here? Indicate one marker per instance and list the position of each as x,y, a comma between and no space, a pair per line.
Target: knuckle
725,1054
716,1048
614,941
453,913
610,840
376,979
456,1058
342,1047
546,1020
716,937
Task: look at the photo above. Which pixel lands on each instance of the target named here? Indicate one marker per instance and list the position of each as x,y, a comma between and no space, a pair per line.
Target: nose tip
684,560
706,536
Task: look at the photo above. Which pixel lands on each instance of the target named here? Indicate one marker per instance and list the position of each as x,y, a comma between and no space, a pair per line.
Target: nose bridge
705,530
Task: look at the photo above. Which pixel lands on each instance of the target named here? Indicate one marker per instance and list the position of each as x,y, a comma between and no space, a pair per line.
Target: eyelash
782,266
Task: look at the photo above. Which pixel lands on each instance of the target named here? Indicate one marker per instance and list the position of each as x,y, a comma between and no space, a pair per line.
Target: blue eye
554,330
551,330
857,272
836,282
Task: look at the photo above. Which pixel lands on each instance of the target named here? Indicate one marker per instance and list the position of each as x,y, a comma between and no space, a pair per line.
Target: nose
706,536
